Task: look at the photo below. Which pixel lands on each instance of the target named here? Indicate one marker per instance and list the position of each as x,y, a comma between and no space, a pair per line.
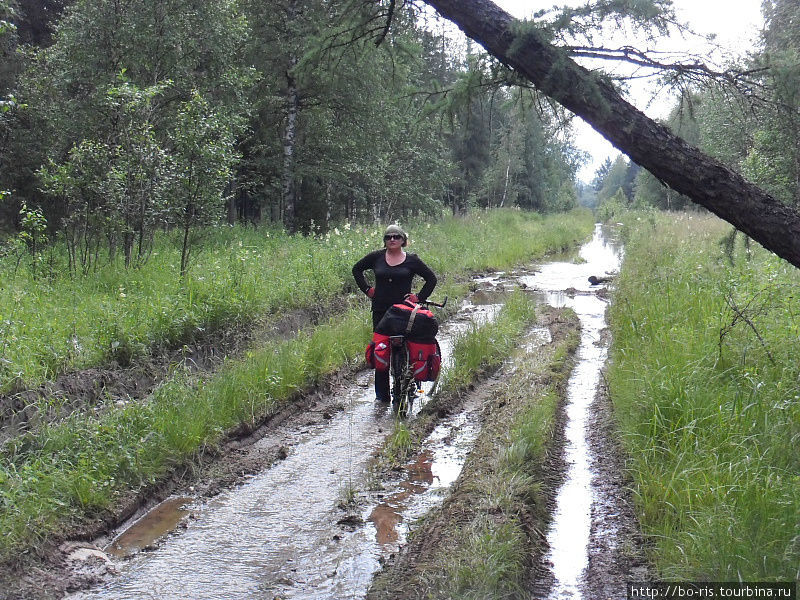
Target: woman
394,270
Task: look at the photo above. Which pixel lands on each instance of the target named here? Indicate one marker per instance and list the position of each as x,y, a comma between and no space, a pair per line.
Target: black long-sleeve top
393,283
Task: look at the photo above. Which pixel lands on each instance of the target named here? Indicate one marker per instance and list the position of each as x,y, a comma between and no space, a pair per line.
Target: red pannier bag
378,351
426,360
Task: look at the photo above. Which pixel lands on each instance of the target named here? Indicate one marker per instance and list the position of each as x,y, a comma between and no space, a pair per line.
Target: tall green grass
49,325
705,382
484,346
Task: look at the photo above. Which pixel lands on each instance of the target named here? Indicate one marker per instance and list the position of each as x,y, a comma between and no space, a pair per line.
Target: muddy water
159,521
568,537
283,534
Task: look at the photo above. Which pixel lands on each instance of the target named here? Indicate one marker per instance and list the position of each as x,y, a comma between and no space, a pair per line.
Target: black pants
381,377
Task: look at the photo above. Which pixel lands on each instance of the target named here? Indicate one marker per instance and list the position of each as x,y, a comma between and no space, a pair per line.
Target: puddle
427,480
281,535
150,528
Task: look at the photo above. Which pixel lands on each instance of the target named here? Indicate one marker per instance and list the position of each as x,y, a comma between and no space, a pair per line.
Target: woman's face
393,241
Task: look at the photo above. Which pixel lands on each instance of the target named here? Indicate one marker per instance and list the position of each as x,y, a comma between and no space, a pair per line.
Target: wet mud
616,546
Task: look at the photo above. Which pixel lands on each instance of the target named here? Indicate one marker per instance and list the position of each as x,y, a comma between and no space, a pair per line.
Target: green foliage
617,183
106,96
648,16
497,565
202,166
704,380
760,139
364,146
29,241
369,140
400,442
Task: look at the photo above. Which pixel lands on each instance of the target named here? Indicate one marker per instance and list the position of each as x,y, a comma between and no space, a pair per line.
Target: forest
122,119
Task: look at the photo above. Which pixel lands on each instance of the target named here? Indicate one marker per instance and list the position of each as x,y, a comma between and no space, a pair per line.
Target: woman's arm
368,262
429,276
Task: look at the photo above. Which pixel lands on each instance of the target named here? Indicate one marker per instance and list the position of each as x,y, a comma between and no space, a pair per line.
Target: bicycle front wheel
402,388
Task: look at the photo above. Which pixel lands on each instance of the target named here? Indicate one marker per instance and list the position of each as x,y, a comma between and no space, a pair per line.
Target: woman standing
394,270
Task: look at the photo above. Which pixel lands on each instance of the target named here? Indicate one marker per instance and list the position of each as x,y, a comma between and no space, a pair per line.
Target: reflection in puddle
482,297
150,528
388,514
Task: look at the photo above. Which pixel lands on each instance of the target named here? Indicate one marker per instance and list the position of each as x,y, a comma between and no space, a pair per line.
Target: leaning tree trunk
668,157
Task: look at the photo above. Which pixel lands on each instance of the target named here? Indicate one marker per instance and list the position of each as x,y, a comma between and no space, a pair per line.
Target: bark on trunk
653,146
289,175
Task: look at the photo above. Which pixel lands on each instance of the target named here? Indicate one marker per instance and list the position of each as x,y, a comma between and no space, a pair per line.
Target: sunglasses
392,236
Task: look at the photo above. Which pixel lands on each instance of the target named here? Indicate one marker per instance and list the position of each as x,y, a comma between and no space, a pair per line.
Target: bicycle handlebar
436,304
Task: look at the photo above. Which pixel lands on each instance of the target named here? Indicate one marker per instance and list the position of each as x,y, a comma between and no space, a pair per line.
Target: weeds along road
316,524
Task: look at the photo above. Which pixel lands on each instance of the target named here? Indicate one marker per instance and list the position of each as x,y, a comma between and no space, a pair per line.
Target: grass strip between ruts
476,351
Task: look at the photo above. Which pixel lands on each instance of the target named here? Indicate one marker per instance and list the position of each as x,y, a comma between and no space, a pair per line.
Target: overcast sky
736,24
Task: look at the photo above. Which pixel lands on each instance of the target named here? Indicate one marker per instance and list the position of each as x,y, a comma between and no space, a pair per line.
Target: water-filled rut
292,531
567,284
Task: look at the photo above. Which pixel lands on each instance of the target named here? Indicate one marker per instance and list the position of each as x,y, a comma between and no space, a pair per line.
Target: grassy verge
705,382
54,323
483,541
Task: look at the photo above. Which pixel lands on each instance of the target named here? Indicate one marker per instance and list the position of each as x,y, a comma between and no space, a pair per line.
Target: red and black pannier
378,352
410,320
425,359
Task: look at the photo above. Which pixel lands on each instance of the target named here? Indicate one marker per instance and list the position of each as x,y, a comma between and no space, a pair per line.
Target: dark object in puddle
594,280
351,521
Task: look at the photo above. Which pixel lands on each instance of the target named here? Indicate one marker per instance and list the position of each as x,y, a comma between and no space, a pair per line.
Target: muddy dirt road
317,524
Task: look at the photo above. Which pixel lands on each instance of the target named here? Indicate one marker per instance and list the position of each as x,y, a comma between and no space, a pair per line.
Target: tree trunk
653,146
505,183
289,175
230,190
185,247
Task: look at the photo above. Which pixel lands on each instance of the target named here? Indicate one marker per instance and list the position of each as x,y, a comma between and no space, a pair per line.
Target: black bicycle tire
401,380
